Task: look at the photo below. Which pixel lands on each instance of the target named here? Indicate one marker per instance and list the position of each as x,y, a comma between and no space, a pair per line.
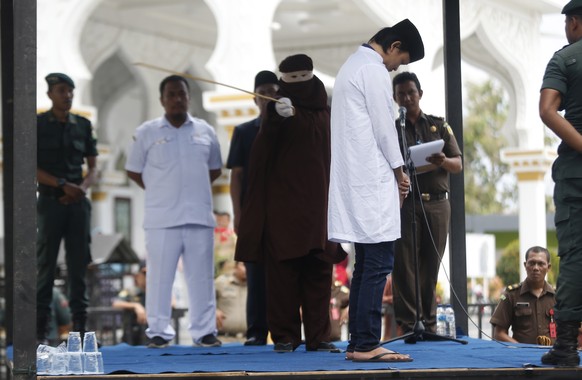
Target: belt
428,197
50,191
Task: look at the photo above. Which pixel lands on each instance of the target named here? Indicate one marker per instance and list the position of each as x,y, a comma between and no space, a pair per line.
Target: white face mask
297,76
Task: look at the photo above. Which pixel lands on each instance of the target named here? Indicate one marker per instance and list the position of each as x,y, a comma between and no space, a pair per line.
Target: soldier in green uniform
562,90
65,143
527,307
432,181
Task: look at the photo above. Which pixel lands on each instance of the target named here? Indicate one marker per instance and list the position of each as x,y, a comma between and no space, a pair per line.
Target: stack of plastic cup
75,353
60,360
44,358
93,358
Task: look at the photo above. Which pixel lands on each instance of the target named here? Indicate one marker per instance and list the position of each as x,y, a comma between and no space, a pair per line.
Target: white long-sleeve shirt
364,204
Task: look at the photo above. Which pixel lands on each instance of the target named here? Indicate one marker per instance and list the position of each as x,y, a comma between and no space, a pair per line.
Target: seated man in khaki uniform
231,298
528,306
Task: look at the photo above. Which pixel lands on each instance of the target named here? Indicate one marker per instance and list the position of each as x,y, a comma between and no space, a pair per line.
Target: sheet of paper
419,153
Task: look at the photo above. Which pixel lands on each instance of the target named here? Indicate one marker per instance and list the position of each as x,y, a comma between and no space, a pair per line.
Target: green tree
488,187
552,276
508,264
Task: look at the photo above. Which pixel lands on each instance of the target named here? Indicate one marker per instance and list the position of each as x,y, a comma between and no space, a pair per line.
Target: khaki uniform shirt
426,129
340,298
528,315
231,298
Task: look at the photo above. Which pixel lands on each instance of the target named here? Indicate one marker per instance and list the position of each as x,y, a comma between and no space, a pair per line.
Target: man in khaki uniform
528,306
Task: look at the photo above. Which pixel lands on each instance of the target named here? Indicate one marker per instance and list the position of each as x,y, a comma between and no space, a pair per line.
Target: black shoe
411,339
254,341
284,347
564,353
561,358
209,340
158,342
325,346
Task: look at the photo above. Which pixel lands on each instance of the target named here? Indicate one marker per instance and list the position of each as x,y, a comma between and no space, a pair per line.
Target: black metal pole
18,35
454,113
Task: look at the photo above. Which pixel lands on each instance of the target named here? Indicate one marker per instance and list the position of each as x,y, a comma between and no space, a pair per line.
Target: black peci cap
265,77
409,35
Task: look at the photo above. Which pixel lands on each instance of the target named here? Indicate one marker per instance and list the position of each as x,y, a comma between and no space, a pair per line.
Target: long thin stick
185,75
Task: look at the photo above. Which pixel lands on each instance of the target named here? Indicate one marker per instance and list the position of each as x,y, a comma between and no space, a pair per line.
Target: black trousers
256,301
56,222
299,290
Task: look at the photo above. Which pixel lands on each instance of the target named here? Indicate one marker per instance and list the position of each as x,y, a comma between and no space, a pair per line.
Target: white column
242,50
530,167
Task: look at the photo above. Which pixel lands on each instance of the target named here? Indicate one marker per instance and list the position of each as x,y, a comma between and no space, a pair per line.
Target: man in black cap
562,90
283,221
368,183
65,142
266,83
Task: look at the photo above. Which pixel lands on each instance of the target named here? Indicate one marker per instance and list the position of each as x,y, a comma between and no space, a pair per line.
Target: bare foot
380,354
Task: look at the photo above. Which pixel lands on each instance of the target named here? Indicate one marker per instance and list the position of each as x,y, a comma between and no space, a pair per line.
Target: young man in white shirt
367,181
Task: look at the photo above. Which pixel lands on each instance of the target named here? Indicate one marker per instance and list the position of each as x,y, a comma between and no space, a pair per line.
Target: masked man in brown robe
284,218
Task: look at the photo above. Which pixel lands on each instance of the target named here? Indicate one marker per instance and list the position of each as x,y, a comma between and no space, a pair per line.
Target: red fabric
223,233
341,273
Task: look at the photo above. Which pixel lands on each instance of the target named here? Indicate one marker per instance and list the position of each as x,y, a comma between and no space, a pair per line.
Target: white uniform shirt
174,164
364,204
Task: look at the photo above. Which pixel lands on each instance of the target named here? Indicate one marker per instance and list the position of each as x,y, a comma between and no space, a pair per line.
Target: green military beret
573,7
56,78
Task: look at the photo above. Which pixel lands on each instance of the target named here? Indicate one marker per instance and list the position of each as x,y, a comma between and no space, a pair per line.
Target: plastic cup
44,356
93,362
60,363
75,363
90,342
74,342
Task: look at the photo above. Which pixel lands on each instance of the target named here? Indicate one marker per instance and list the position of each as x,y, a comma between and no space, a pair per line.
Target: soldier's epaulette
81,117
438,118
437,123
514,286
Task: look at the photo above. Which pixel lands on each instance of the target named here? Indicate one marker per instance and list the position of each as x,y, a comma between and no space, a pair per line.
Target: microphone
402,112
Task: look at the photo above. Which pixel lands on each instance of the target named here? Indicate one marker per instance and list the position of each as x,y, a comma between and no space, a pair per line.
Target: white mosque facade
99,42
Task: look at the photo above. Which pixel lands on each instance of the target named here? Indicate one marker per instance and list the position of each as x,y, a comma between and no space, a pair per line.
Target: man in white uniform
367,178
175,158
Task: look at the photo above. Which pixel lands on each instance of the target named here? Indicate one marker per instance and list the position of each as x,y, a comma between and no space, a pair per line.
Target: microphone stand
418,331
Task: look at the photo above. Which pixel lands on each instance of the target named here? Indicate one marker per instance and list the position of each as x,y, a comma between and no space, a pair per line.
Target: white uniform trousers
195,243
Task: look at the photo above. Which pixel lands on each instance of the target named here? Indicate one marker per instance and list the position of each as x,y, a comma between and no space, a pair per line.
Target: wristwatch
61,182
